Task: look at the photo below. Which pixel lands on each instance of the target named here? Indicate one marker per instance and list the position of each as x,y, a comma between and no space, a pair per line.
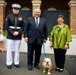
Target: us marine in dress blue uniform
14,26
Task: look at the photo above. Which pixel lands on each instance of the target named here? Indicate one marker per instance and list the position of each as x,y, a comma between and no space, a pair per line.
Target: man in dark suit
35,33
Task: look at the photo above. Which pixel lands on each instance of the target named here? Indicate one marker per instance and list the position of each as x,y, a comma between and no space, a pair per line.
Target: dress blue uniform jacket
35,35
12,25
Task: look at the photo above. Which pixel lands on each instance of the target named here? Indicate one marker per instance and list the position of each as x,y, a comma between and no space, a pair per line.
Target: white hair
37,9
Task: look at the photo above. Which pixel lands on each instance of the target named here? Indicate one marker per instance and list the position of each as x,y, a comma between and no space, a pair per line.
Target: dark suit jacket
35,34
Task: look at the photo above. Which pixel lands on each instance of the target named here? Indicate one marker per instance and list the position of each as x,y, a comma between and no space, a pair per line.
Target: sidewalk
23,70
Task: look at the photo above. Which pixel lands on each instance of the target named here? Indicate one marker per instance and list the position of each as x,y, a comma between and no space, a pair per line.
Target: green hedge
5,33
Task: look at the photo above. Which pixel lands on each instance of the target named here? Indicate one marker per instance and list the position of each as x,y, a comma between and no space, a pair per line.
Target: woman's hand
51,44
66,46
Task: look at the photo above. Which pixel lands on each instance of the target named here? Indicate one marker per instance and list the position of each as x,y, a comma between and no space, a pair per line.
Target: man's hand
26,39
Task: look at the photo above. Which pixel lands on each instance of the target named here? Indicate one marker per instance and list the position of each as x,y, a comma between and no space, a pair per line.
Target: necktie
36,22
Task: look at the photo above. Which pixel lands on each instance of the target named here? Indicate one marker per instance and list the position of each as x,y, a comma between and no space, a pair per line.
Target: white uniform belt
14,27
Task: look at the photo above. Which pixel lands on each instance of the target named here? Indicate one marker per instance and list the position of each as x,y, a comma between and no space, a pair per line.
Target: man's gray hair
37,9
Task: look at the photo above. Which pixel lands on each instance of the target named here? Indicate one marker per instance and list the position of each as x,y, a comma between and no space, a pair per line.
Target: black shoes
9,66
59,70
17,66
37,66
30,67
56,69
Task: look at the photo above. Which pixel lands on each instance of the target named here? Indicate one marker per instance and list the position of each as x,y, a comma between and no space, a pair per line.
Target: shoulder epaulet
9,15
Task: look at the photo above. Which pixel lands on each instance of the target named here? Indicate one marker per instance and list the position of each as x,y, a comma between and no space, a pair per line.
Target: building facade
69,5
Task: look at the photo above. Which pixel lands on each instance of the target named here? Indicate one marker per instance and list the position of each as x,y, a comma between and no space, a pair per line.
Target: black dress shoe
61,70
17,66
56,69
9,66
37,66
30,67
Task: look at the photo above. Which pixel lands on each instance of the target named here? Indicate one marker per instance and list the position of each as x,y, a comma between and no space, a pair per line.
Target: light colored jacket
59,36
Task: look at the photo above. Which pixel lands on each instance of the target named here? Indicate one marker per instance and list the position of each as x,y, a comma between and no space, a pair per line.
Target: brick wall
73,20
2,12
1,16
43,4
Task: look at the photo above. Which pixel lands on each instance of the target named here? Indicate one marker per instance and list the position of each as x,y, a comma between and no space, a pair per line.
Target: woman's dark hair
61,16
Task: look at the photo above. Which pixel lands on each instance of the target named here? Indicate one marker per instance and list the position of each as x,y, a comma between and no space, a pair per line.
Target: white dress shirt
38,20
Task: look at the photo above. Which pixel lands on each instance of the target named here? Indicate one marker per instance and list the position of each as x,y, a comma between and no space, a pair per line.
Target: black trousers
59,57
31,49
